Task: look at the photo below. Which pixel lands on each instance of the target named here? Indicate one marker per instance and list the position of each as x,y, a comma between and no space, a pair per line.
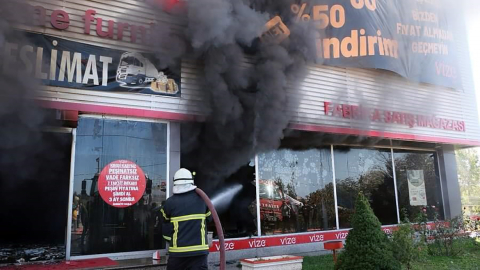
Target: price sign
121,183
414,38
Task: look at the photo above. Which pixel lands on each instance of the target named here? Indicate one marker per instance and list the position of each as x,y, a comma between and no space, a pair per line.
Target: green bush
403,243
440,238
367,246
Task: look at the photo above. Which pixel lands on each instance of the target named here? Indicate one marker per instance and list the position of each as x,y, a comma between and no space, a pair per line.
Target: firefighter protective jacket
185,216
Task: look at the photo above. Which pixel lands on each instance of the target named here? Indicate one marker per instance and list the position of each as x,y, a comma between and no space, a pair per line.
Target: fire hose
218,226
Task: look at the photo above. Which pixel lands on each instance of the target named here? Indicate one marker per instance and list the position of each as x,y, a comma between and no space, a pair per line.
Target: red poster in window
121,183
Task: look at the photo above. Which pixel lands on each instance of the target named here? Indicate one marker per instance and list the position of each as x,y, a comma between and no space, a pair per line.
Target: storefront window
369,171
418,184
119,185
296,191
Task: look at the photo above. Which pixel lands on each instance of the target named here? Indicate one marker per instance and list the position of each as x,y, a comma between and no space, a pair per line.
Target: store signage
60,19
286,240
64,63
276,31
414,38
121,183
362,113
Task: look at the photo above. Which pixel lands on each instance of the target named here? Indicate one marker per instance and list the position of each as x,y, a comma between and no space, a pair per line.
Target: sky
472,17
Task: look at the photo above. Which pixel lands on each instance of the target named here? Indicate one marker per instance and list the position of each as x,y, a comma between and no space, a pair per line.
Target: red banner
287,240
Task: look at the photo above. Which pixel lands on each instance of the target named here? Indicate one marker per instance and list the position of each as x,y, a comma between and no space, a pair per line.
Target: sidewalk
231,265
105,263
99,263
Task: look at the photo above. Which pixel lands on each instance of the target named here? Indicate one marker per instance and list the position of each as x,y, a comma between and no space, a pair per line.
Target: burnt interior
34,184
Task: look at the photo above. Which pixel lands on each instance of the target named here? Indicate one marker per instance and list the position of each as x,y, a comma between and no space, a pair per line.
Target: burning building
285,110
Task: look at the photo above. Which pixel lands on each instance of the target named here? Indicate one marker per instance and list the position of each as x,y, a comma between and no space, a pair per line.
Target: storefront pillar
449,180
174,154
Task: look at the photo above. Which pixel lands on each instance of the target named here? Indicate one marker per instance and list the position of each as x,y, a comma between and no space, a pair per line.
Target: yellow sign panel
276,31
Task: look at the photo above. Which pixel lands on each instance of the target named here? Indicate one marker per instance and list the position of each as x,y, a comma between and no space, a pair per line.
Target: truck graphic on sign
136,71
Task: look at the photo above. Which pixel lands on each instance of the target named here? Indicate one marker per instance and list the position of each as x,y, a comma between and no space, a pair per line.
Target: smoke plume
25,182
18,117
245,79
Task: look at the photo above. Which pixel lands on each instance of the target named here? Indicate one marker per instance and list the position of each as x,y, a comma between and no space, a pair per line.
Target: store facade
351,130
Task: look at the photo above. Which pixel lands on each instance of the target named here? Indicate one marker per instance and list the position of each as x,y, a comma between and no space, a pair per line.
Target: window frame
392,152
119,255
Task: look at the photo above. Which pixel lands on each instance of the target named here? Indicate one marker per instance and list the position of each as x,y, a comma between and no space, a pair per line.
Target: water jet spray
224,197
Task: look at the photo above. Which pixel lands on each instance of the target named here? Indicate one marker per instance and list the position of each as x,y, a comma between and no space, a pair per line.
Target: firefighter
185,215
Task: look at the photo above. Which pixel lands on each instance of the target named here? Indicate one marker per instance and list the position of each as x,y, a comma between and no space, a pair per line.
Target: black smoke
245,80
31,168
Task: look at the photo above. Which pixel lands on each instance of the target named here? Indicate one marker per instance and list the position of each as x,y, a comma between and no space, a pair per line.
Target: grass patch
318,262
468,259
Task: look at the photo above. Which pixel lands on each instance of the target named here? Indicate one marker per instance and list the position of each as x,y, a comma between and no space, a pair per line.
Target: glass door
119,185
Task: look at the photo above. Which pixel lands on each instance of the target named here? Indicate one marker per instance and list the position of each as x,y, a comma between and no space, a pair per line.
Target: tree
291,190
324,207
367,246
468,165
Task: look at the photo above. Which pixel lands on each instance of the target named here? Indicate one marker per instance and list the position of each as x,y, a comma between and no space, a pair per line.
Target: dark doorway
234,198
34,187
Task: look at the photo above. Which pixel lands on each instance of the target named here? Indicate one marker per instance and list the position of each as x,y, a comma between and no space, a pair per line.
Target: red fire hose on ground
218,226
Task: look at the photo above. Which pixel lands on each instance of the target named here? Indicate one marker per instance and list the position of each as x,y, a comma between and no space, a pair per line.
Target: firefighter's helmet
183,181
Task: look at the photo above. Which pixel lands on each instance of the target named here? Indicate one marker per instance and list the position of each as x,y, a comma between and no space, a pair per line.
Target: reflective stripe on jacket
185,216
